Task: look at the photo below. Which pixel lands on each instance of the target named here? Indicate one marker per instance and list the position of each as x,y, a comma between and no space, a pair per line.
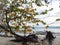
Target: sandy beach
57,41
7,41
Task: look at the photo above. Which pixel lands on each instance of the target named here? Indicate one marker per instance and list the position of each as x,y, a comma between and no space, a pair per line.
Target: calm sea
51,28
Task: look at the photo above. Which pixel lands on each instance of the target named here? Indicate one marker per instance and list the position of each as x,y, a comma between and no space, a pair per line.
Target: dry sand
57,41
7,41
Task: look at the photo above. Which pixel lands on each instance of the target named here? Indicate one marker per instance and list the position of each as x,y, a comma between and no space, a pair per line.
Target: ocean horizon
50,28
58,27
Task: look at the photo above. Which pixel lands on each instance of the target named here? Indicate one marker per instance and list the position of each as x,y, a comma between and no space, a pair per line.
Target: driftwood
29,38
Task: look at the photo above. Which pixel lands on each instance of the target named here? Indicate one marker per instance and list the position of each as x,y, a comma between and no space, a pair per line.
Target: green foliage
1,6
36,14
36,1
25,27
45,12
0,12
33,27
57,19
43,22
51,9
23,14
34,21
24,31
4,1
38,4
16,27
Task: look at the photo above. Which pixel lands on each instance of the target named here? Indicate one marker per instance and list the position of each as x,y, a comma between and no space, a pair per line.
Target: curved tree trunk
10,27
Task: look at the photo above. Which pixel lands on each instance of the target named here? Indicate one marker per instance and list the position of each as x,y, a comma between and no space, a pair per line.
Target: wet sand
7,41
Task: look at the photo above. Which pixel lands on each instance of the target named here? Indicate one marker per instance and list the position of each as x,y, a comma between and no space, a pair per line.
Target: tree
18,13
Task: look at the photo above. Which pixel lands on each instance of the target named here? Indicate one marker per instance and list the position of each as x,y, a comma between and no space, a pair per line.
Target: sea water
52,28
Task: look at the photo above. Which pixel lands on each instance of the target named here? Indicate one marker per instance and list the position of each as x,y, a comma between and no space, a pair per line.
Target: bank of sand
7,41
